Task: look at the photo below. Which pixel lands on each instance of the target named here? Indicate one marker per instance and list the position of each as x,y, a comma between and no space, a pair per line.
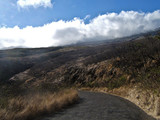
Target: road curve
100,106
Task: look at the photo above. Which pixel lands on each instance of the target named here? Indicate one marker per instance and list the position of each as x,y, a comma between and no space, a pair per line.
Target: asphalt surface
100,106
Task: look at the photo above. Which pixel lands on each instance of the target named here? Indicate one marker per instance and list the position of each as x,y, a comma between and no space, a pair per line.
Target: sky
44,23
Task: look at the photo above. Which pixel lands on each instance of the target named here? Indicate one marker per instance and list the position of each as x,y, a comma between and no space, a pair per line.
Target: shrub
30,106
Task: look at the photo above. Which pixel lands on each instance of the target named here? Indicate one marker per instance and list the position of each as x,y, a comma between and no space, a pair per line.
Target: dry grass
31,106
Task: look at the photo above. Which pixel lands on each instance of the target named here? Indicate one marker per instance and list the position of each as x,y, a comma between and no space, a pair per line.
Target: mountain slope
129,67
109,65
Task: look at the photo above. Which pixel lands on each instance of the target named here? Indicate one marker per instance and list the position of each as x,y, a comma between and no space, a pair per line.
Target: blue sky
11,15
44,23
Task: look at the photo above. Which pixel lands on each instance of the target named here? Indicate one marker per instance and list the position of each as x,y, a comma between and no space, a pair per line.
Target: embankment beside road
145,99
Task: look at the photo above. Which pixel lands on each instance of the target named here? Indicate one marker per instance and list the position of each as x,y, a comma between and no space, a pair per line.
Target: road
100,106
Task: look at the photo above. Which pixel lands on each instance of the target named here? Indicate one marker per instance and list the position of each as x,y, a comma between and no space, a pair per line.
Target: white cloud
103,27
34,3
87,17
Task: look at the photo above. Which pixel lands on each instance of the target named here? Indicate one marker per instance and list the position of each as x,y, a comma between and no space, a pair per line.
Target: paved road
100,106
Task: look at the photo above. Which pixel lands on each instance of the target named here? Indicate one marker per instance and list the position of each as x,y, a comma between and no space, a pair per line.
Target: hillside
109,65
131,61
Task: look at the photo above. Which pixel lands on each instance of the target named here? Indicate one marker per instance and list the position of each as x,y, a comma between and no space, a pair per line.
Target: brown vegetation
30,106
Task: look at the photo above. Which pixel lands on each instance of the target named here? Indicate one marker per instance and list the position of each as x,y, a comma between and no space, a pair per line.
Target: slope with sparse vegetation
111,65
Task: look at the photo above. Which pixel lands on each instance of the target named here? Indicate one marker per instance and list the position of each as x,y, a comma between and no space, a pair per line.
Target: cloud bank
34,3
103,27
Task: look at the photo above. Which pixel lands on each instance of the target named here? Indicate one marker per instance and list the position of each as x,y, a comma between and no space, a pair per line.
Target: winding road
100,106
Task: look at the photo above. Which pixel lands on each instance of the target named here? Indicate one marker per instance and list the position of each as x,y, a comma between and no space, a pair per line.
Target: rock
137,96
133,81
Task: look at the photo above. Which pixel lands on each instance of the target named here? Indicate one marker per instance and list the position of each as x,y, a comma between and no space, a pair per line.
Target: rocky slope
111,65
